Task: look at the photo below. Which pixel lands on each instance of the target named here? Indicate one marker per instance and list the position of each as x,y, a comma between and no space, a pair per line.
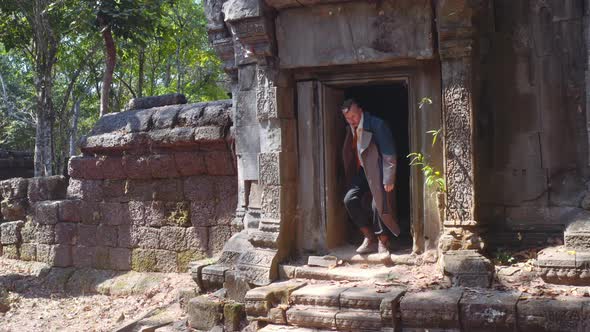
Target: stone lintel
543,314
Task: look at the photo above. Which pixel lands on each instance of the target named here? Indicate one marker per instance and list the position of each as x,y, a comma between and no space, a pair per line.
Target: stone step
281,328
577,234
339,273
562,265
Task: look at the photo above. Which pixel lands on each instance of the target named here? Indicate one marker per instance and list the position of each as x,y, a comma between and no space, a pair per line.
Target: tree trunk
45,57
140,74
74,130
111,59
178,68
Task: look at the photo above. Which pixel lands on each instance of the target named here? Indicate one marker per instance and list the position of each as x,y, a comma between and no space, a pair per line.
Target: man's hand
388,187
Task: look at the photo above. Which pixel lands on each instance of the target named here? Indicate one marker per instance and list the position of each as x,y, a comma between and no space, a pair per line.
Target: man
369,165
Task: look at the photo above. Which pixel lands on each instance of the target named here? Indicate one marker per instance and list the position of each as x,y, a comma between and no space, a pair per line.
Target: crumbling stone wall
532,134
153,190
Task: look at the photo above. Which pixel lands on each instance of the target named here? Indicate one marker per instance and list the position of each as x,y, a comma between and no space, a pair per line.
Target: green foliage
503,257
162,47
433,178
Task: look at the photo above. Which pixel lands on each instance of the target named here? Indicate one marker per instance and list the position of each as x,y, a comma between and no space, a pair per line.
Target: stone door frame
329,80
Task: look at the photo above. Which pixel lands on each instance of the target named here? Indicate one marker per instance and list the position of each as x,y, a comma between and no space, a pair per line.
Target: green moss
180,216
233,313
143,260
187,256
11,251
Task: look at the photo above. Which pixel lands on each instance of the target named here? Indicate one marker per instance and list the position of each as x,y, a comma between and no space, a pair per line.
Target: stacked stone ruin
154,189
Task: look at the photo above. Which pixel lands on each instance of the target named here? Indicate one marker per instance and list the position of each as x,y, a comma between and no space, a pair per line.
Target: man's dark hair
347,103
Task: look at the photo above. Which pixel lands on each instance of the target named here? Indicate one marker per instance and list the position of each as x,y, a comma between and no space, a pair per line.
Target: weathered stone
196,270
143,260
28,252
389,308
145,237
162,166
556,257
45,212
197,238
431,309
84,167
112,167
488,310
106,236
120,259
212,276
166,261
190,163
185,257
14,209
55,255
87,235
83,256
124,236
318,295
312,317
45,234
90,190
172,238
203,213
220,163
204,313
128,121
70,210
577,234
136,167
233,315
155,101
468,268
367,298
47,188
115,213
539,314
11,251
168,190
358,321
66,233
324,261
92,213
29,232
277,316
200,188
10,232
218,237
14,188
235,286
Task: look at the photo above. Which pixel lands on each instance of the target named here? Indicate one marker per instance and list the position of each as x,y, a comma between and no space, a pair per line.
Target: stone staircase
324,305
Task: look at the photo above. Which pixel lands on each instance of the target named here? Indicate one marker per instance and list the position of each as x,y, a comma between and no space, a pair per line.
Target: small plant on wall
433,178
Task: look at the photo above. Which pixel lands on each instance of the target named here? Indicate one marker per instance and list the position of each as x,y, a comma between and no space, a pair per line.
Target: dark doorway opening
390,103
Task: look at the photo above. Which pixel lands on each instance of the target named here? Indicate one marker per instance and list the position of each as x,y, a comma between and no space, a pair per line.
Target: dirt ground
34,307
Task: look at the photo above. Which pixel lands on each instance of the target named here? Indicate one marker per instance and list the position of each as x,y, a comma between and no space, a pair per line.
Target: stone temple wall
532,130
153,190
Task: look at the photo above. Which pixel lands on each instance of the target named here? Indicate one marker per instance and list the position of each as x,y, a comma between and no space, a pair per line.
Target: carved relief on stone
458,124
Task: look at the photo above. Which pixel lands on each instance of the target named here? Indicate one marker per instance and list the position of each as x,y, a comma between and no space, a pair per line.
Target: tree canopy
52,66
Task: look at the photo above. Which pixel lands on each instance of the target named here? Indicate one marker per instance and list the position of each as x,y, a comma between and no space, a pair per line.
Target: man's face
353,116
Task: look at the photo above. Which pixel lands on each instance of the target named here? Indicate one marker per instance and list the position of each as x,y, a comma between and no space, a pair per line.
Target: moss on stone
233,314
102,258
11,251
187,256
180,216
143,260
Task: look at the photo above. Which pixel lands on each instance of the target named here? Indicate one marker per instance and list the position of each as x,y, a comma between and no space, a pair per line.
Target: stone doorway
323,222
